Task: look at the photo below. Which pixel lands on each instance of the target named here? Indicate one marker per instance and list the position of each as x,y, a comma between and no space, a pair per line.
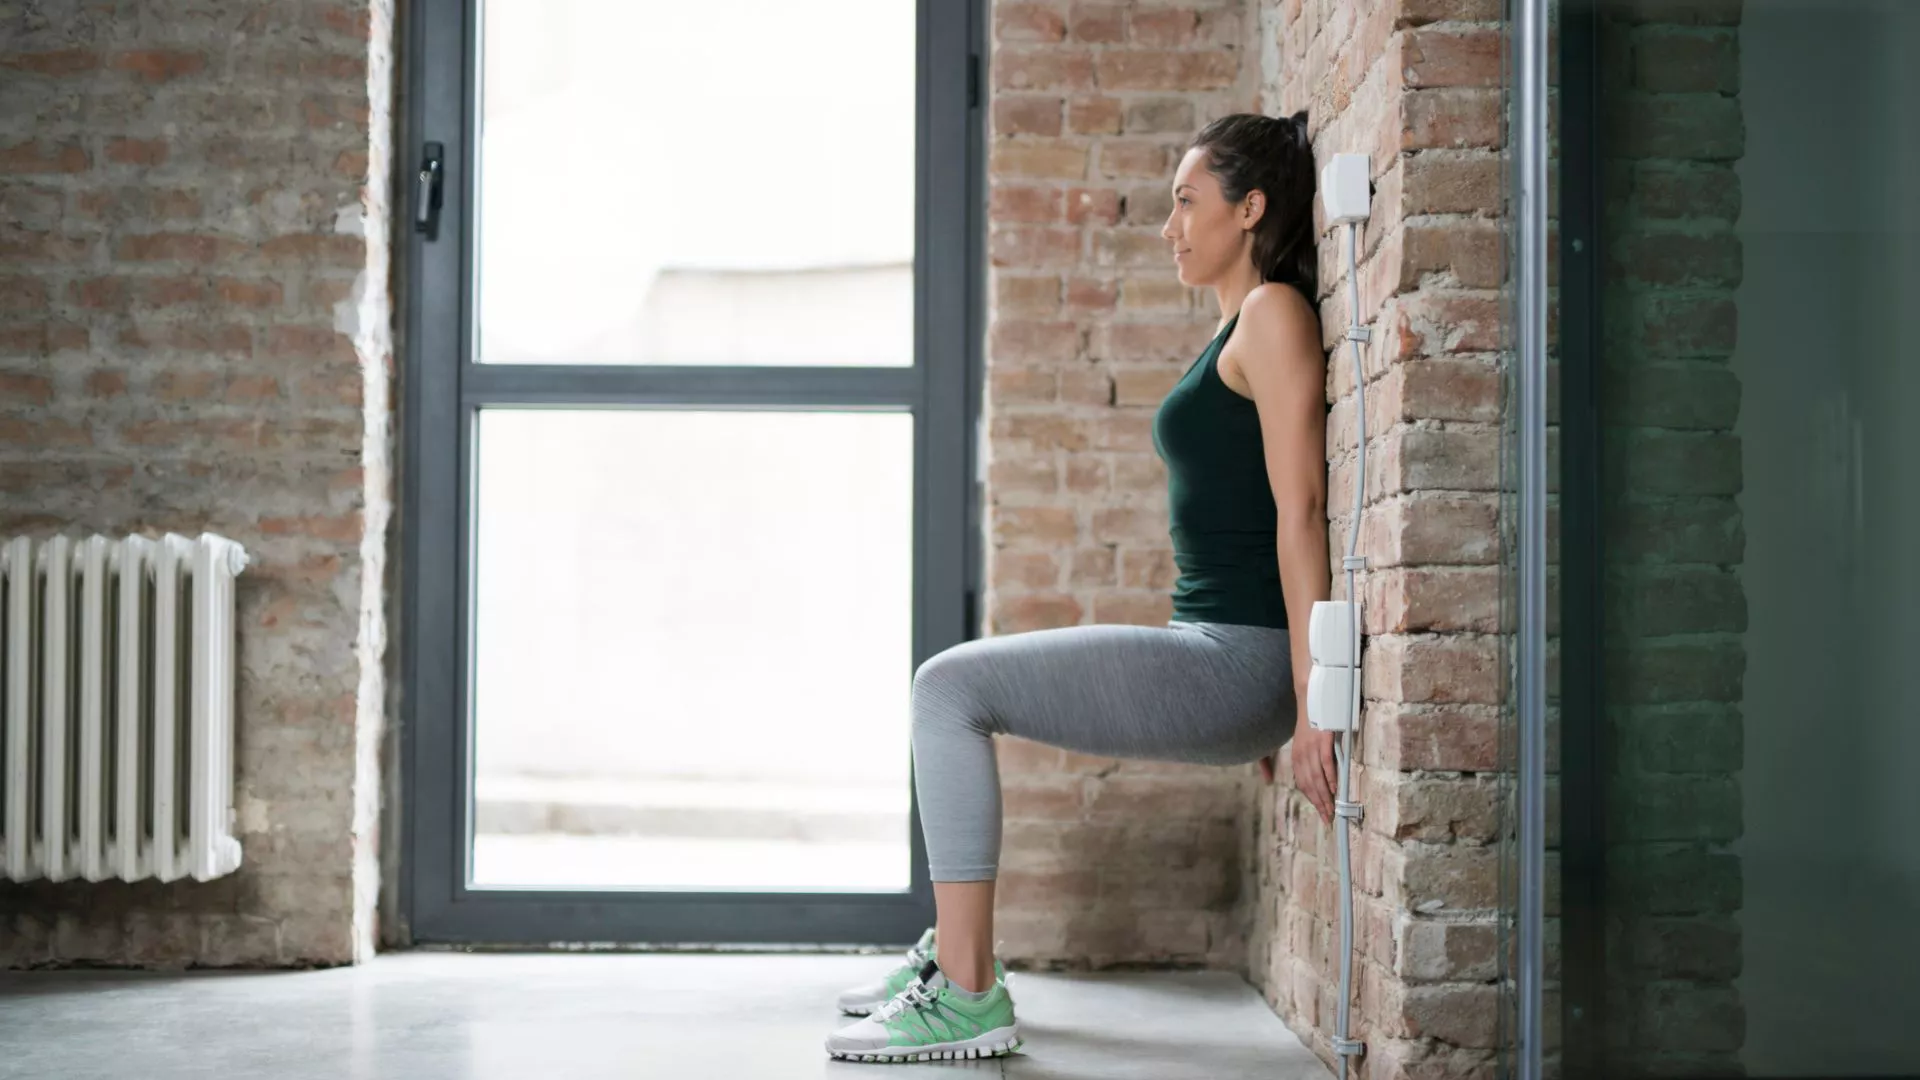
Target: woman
1243,436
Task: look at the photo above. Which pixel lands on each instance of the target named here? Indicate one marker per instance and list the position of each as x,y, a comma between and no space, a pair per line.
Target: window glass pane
674,183
693,645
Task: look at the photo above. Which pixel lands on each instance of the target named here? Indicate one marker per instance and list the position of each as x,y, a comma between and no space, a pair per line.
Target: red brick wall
1414,84
194,336
1090,107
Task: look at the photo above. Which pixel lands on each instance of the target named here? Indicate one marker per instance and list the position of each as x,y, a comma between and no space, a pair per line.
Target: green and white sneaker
862,1000
930,1021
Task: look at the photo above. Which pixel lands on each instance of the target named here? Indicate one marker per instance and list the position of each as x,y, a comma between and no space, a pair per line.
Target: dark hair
1247,151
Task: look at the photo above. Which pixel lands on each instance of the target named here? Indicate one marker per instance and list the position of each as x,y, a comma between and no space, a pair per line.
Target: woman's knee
944,688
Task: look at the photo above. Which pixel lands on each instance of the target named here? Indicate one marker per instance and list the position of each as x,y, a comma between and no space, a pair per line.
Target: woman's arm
1284,366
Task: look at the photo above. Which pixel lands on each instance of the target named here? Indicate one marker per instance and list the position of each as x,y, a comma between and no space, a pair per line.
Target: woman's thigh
1202,693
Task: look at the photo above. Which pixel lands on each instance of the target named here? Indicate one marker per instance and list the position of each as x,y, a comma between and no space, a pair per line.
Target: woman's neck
1232,293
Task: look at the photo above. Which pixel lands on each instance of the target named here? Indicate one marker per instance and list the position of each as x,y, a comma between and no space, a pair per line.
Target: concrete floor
454,1016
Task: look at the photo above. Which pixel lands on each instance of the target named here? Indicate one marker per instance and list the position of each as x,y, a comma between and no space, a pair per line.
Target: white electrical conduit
1333,685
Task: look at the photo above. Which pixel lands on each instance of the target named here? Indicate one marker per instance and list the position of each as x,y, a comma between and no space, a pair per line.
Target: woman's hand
1314,770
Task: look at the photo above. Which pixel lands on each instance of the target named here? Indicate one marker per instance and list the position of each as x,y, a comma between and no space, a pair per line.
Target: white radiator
117,685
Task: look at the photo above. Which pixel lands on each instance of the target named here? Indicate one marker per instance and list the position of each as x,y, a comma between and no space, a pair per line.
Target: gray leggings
1204,693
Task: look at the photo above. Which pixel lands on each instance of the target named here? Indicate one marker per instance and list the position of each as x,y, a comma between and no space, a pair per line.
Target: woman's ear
1256,204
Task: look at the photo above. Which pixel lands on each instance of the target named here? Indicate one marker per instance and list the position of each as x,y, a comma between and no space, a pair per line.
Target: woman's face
1210,235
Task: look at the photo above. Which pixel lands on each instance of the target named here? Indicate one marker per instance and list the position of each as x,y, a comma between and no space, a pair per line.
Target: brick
1679,12
1660,601
1122,524
1451,118
1041,430
1092,566
1431,529
1143,386
1705,948
1036,524
1673,259
1662,462
1164,70
1031,247
22,293
1032,341
1692,737
1095,206
1446,877
1036,477
1150,204
1083,386
1035,611
42,156
1432,57
147,206
1668,671
1039,160
1094,115
1092,294
42,338
1689,127
1401,600
220,339
249,294
1689,190
1679,530
16,388
1024,569
1124,158
1130,248
1443,669
1025,385
1421,12
1102,24
1452,182
1027,68
158,65
201,249
143,152
1173,115
1148,568
345,252
1028,22
1164,27
53,62
1435,951
1152,295
1028,115
1469,252
1147,342
43,433
1089,474
1672,806
1669,60
1687,396
1026,294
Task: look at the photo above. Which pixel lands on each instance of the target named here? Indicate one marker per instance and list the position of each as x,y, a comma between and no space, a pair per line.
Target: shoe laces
916,995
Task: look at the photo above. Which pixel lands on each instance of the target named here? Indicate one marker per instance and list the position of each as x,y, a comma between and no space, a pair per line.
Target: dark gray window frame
442,389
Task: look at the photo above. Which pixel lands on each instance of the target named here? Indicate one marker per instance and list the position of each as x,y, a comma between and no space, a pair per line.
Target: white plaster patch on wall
372,330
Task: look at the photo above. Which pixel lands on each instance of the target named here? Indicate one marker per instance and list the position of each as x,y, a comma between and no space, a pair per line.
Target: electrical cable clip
1359,333
1348,1047
1353,562
1346,809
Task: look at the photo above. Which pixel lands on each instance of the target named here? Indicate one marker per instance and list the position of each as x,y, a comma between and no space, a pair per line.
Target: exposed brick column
1091,104
194,335
1414,84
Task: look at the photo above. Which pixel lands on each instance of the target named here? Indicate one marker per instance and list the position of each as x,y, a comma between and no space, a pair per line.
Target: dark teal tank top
1219,502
